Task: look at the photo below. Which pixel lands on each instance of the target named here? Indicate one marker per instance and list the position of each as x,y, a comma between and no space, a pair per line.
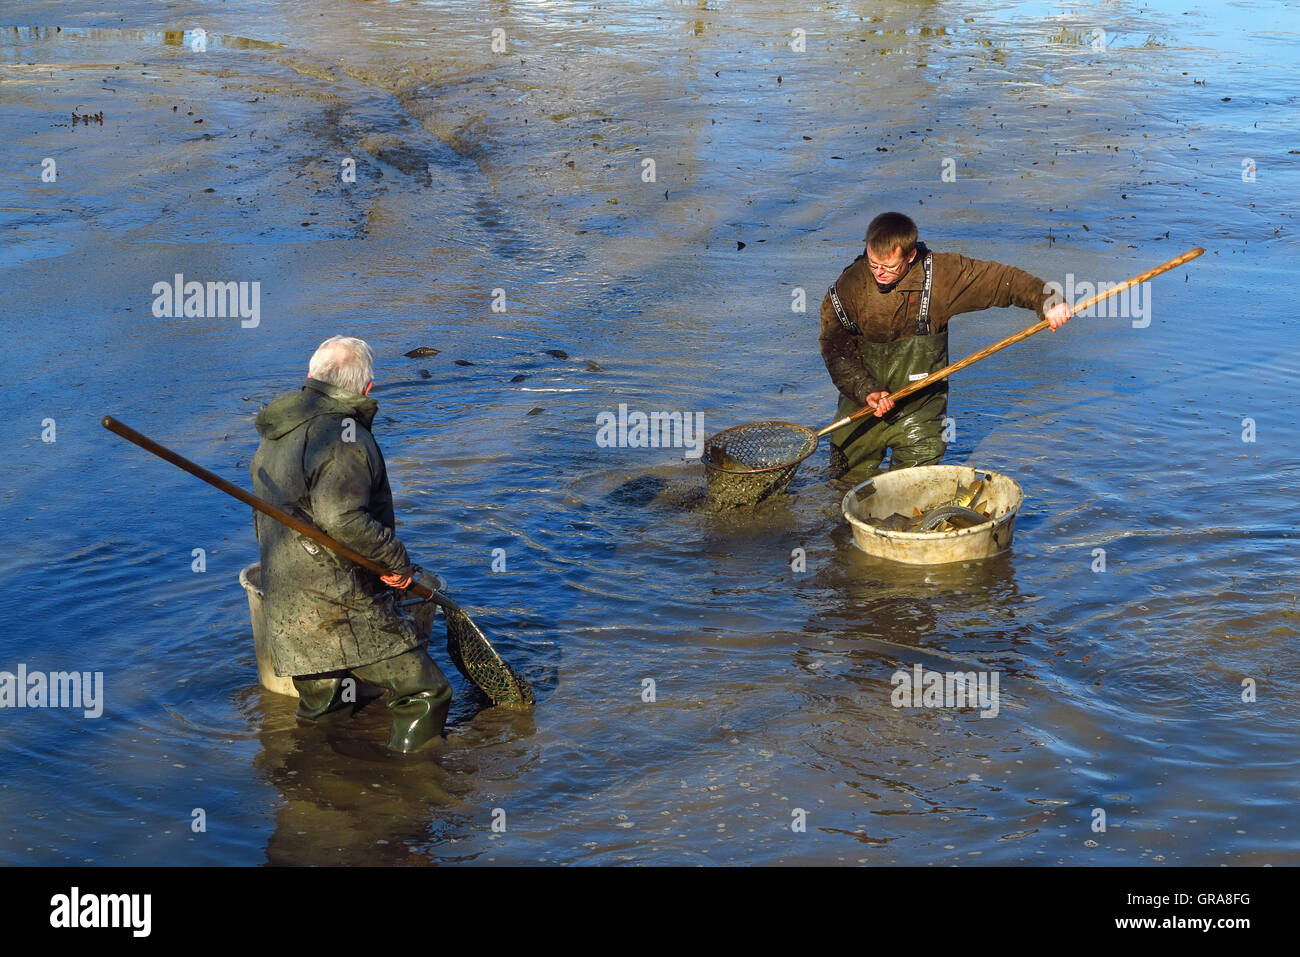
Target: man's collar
333,391
365,406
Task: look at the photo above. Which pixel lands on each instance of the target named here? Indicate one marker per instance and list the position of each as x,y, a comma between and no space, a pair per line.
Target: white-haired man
327,616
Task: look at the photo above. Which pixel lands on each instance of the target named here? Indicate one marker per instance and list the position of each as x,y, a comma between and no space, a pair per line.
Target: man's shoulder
855,273
339,425
960,261
332,441
948,264
950,259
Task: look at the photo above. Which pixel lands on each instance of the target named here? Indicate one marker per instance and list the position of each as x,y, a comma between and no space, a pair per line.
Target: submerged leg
319,695
857,448
420,697
917,443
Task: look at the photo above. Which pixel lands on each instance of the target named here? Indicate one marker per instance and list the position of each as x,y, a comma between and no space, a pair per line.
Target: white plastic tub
924,487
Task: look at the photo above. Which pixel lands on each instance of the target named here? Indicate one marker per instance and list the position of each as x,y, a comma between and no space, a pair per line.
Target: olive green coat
319,462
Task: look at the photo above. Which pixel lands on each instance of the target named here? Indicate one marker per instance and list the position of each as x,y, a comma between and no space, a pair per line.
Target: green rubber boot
318,697
418,719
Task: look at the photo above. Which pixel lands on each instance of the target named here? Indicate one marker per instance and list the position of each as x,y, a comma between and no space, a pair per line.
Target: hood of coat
286,412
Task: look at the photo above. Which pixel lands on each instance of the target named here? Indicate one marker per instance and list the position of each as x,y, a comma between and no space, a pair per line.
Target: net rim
810,438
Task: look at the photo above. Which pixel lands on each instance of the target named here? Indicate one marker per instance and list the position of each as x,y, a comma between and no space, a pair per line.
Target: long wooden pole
1011,340
266,508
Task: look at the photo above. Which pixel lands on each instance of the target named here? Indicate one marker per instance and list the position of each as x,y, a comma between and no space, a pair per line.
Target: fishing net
477,660
748,463
469,649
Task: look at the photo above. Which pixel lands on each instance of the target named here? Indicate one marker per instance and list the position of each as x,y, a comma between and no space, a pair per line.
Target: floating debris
463,362
87,118
426,374
423,352
558,353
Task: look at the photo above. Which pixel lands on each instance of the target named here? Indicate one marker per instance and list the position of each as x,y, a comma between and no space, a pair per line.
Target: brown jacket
960,285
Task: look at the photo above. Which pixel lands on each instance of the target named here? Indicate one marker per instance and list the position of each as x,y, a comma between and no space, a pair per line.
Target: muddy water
1086,141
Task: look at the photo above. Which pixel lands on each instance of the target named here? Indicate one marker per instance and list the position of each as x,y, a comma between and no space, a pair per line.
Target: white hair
343,361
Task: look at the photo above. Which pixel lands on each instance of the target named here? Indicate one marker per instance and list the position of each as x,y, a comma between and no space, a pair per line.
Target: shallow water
1121,689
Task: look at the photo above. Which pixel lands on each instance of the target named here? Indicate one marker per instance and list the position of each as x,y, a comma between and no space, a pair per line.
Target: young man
326,615
884,324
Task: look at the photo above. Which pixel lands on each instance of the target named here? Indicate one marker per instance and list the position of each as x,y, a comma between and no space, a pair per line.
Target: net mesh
477,660
749,463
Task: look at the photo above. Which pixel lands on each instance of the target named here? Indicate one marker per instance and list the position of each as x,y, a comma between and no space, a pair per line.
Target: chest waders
914,429
419,695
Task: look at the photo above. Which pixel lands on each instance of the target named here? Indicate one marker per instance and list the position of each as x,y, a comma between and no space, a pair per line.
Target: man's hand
879,403
396,581
1058,315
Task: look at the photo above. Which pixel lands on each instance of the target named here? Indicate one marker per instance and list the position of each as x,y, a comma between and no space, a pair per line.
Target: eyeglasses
888,270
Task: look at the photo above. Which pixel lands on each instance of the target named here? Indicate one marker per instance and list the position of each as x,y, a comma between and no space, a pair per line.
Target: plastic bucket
924,487
251,579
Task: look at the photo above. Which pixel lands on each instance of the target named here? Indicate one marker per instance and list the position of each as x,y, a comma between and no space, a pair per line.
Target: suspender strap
839,311
923,317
